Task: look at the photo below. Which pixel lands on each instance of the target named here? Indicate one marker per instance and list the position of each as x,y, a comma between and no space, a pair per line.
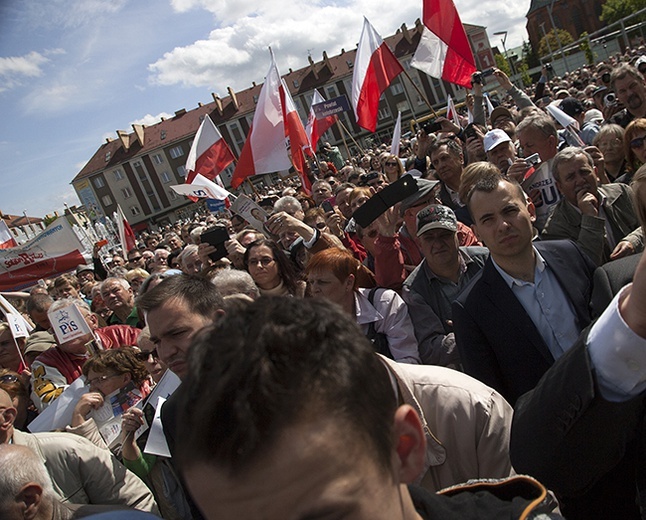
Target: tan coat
467,424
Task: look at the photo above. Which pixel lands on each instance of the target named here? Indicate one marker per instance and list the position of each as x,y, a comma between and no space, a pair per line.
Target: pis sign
68,323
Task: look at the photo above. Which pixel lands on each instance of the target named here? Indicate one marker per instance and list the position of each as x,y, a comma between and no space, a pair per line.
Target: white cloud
235,54
55,97
149,120
14,69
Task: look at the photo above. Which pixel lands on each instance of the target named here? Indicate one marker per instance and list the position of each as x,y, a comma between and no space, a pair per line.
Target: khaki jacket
467,424
85,474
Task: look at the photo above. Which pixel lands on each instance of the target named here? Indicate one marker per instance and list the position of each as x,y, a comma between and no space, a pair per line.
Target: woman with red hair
339,277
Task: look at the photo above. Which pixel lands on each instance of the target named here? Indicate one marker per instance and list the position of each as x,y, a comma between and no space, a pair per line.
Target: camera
548,66
610,100
479,77
432,126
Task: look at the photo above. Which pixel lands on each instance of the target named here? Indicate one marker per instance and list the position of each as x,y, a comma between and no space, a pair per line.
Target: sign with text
251,212
68,323
332,107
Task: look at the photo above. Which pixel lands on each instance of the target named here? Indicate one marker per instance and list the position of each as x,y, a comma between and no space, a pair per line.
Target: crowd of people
475,351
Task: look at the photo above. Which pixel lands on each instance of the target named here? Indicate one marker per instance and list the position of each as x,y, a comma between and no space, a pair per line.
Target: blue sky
72,72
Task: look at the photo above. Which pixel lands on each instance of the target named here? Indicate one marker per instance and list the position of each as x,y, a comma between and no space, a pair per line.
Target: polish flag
375,66
444,51
210,153
264,150
126,234
6,238
298,144
315,128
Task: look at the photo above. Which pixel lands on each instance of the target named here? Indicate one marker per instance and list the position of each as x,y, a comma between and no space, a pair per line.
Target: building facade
574,16
136,170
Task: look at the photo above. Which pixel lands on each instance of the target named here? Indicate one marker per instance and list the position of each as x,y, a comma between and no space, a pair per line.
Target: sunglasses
638,142
134,259
391,164
100,379
145,356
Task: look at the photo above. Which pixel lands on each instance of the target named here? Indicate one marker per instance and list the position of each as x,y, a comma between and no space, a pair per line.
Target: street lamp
504,40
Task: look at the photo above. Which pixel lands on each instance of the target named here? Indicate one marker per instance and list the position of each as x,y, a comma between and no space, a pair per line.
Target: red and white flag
451,112
126,234
375,66
264,150
315,128
210,154
444,51
6,238
298,144
397,136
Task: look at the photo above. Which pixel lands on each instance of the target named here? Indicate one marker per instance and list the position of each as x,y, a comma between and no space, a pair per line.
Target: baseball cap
424,188
593,115
82,268
436,216
500,111
599,90
39,342
571,106
493,138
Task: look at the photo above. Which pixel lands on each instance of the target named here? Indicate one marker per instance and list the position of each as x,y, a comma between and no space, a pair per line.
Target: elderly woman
336,275
610,141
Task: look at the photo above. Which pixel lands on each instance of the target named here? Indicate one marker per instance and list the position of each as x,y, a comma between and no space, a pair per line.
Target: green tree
585,47
615,10
529,55
502,64
565,37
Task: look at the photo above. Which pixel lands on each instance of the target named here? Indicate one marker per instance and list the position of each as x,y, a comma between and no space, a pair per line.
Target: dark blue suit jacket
497,340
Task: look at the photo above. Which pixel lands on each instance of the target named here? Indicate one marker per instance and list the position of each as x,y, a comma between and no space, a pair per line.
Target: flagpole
347,150
428,104
338,120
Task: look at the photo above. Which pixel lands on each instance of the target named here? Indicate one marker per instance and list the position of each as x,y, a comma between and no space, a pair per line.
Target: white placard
157,444
68,323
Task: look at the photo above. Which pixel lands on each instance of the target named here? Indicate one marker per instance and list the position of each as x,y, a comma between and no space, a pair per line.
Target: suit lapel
503,298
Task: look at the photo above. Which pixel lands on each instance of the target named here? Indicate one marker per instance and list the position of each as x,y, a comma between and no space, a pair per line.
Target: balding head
7,417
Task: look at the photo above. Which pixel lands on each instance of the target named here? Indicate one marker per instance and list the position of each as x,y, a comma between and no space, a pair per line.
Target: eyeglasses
391,164
8,378
145,356
134,259
100,379
638,142
264,261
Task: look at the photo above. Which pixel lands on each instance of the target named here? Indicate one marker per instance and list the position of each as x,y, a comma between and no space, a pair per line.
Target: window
176,152
397,88
98,182
118,174
107,200
165,177
181,171
158,159
135,211
107,156
402,106
126,192
172,194
162,136
383,112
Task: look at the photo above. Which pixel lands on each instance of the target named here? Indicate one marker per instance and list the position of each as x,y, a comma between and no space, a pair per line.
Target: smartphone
216,236
533,159
327,206
470,131
384,199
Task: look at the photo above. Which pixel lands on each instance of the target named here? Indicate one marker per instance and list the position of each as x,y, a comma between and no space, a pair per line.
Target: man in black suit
529,303
581,429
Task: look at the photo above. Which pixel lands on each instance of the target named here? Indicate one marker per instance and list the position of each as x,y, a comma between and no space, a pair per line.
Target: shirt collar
510,280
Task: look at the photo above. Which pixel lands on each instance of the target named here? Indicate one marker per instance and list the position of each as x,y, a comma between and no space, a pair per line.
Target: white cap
593,115
495,137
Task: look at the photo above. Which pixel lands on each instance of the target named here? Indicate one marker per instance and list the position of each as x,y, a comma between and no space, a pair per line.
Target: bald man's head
7,417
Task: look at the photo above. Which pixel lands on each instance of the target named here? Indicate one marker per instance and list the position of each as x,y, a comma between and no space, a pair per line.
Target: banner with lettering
55,251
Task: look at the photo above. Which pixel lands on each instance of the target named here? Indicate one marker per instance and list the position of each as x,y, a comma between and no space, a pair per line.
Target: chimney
405,33
218,102
313,67
180,112
139,133
233,98
124,137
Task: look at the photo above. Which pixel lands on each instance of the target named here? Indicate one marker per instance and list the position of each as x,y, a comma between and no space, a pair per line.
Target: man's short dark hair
280,362
622,70
489,183
200,294
452,146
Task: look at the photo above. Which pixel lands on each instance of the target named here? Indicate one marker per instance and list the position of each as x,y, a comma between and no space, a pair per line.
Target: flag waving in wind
317,127
264,150
375,66
126,234
444,51
6,238
210,153
299,145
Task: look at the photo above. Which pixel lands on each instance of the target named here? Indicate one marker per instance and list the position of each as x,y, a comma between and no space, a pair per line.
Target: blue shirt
547,305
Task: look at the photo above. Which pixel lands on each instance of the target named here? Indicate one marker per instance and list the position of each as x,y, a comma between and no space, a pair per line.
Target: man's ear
30,498
410,444
7,418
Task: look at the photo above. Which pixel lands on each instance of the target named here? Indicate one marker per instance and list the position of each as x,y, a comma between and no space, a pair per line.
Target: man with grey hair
120,299
189,260
290,205
601,219
321,190
56,368
234,281
630,88
77,471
